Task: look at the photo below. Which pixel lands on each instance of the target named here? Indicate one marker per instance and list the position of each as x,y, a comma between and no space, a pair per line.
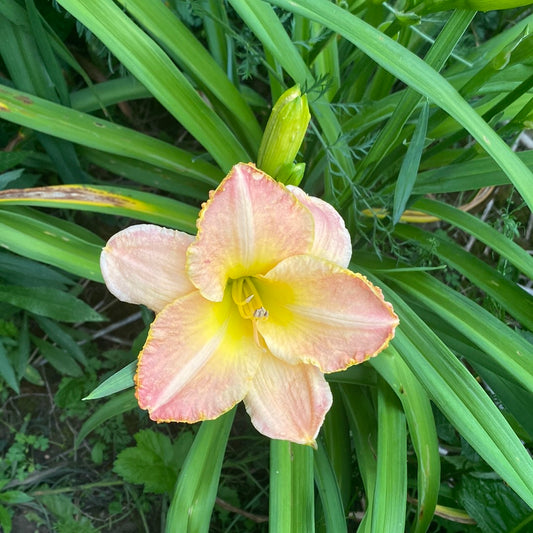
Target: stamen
261,313
247,299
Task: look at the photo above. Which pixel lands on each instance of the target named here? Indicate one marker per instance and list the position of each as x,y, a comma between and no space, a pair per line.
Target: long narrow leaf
113,200
460,397
482,231
436,58
117,405
511,297
422,430
409,168
362,418
412,70
390,497
60,121
506,351
24,233
194,496
185,48
329,492
291,488
153,68
471,175
280,508
336,437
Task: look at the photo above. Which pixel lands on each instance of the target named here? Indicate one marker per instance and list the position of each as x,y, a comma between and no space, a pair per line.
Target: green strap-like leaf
471,175
481,230
329,492
336,437
113,200
125,401
185,48
436,58
511,297
196,489
422,430
413,71
123,379
154,69
390,496
38,237
49,302
292,501
60,121
363,424
460,397
505,351
409,168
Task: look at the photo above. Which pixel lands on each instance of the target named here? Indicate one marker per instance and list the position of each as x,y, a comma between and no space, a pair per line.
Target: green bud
283,136
291,174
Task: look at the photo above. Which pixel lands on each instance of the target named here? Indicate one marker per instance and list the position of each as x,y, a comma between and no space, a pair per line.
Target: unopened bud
283,136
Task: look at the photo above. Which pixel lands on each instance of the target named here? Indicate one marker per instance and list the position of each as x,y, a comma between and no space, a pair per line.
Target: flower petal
288,402
198,361
332,239
322,314
249,224
145,264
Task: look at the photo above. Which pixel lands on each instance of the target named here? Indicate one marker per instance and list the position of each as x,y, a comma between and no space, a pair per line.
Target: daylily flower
256,307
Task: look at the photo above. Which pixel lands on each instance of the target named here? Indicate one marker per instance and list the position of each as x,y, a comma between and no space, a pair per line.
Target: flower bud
283,137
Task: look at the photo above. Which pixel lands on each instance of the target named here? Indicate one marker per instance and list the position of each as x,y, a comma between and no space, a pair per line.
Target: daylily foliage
256,307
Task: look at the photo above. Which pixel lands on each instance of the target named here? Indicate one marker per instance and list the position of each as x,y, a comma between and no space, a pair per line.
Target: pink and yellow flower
256,307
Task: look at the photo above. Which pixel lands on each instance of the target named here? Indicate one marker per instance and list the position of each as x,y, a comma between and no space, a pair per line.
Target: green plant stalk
413,71
280,505
422,430
388,512
362,419
336,437
81,488
153,68
291,488
196,489
329,492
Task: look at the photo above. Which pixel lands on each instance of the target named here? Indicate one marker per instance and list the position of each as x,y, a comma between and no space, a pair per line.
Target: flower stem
196,488
292,504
